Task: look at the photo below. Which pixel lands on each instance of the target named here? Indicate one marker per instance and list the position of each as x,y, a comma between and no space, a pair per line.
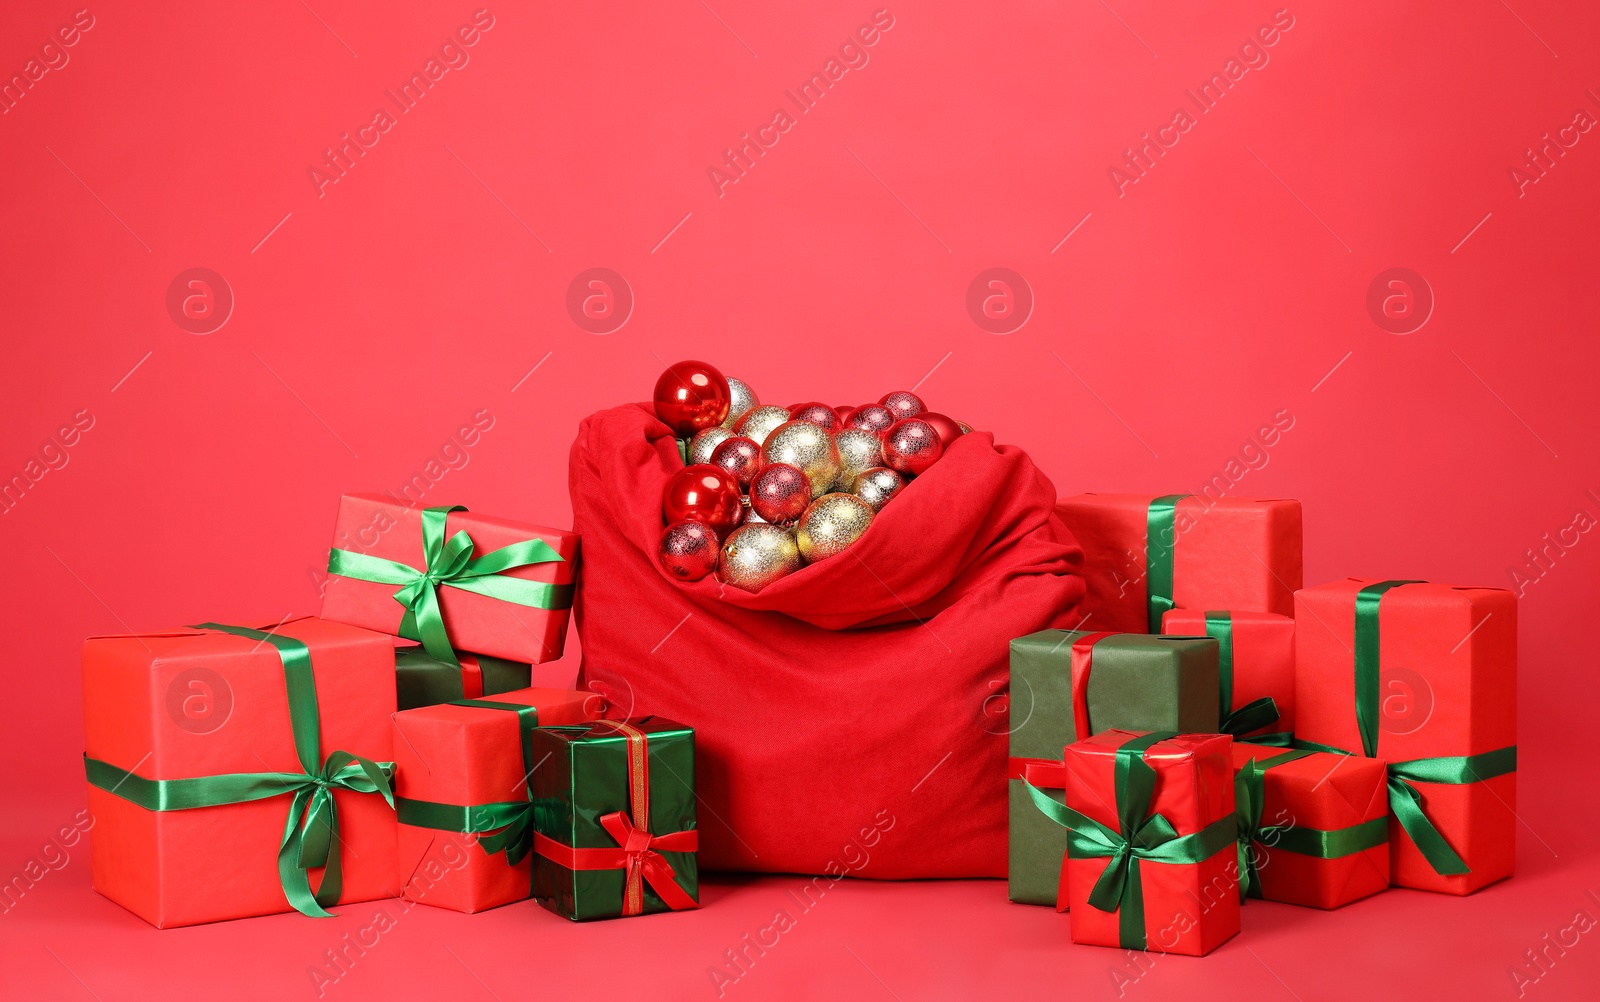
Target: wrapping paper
1256,662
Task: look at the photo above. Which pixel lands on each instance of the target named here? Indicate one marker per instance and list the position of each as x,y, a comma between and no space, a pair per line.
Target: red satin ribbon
1082,655
471,677
1043,773
637,851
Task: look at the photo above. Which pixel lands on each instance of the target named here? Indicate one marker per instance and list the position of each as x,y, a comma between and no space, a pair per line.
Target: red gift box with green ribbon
462,796
1255,669
1144,555
1313,827
1152,859
452,579
235,772
1424,677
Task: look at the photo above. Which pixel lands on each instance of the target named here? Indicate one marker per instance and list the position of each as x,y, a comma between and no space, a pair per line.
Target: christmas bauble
877,486
741,401
903,404
911,446
876,418
703,493
949,429
966,429
757,555
807,447
831,525
690,396
859,450
758,424
740,456
780,493
688,550
845,414
818,414
705,442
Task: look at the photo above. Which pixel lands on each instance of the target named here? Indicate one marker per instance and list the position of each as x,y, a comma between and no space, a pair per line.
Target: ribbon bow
311,830
451,562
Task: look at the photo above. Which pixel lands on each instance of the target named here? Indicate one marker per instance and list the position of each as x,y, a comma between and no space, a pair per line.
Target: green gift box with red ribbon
1067,685
420,679
614,818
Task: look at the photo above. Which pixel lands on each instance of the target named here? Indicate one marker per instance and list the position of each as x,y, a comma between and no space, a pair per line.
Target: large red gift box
1424,677
1255,663
502,589
461,790
169,717
1145,554
1314,827
1164,906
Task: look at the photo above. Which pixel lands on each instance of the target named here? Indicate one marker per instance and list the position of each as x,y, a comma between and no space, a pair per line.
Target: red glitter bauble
740,456
780,493
876,418
948,428
817,414
903,404
690,396
706,494
688,550
911,446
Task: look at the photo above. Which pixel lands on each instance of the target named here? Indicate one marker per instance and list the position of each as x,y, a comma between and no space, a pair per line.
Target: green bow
312,827
1257,713
1143,837
450,562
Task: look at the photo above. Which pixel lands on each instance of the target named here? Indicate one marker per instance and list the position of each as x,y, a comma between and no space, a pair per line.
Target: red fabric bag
850,718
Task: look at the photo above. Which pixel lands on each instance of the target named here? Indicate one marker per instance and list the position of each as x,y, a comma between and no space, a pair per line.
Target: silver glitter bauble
705,442
831,525
760,422
757,555
859,451
741,401
878,486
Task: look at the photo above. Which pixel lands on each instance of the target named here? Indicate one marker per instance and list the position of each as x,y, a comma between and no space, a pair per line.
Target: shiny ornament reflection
703,493
688,550
760,422
878,486
740,456
949,429
903,404
690,396
876,418
741,401
780,493
817,414
808,448
757,555
705,442
831,525
859,450
911,446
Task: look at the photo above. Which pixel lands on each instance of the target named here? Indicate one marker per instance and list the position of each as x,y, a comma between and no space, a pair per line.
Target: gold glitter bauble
757,555
859,451
831,525
741,401
759,422
878,486
705,442
808,447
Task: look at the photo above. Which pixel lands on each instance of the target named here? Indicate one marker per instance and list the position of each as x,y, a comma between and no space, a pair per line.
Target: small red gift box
1255,666
1313,827
461,791
1424,677
1170,883
199,743
452,579
1143,555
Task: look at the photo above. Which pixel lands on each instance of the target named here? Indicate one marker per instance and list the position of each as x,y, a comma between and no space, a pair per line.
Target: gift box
461,794
615,818
1424,677
451,579
1143,555
1255,670
1313,827
1152,859
420,679
226,764
1067,685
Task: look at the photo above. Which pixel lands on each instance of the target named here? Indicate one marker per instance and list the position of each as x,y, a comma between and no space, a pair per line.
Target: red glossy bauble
845,414
688,550
690,396
911,446
780,493
706,494
949,429
817,414
876,418
903,404
740,456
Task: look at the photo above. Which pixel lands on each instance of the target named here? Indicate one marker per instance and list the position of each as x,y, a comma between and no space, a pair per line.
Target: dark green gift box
422,680
614,818
1134,682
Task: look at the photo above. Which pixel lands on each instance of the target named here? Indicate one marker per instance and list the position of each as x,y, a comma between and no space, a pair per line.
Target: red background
373,320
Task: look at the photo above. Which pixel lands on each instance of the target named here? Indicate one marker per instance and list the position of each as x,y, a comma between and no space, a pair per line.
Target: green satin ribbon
1257,713
1142,837
450,562
312,829
503,827
1160,542
1249,786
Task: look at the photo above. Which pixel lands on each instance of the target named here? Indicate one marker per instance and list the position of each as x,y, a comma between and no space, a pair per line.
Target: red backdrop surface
1176,300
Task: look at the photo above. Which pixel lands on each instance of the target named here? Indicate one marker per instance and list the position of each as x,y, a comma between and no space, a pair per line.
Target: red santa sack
850,718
